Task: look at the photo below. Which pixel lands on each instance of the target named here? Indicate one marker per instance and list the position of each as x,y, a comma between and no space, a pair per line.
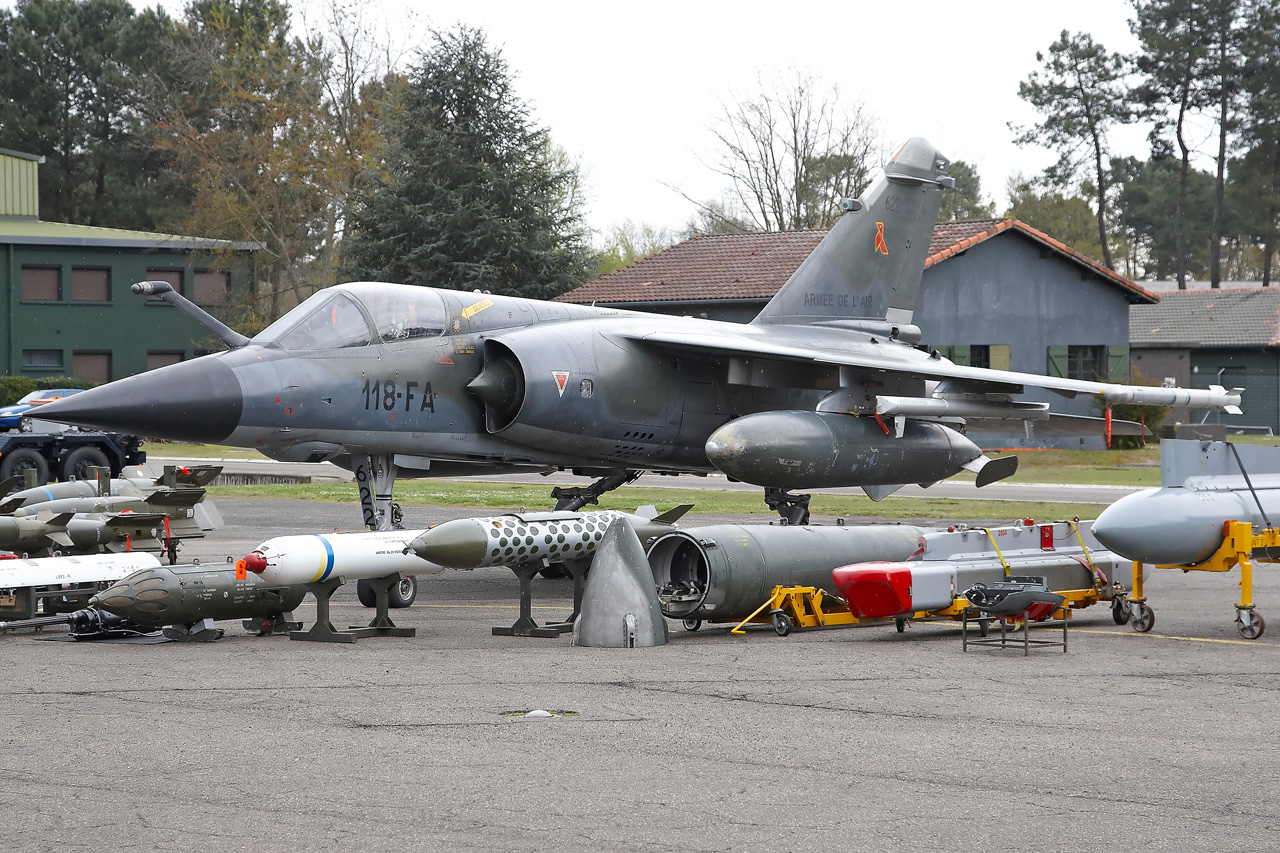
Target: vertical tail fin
869,265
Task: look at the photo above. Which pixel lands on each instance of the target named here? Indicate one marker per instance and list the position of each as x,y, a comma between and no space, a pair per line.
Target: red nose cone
874,589
255,562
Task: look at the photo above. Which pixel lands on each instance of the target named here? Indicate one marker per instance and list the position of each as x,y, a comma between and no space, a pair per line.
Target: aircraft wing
954,378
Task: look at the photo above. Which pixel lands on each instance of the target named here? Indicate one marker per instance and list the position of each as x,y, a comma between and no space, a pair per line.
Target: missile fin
879,493
9,506
991,470
672,515
60,539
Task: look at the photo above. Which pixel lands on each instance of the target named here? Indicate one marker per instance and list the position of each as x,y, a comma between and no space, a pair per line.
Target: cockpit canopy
357,314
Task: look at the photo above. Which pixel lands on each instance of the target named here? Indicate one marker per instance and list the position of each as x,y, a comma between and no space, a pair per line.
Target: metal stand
381,625
323,631
1009,639
525,626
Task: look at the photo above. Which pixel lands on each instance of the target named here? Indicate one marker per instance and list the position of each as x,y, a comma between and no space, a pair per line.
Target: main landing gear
574,498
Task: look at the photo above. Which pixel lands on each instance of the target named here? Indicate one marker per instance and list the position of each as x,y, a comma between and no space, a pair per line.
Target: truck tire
22,459
77,463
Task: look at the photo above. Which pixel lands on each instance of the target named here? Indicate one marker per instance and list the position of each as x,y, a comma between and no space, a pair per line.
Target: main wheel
1143,619
1250,624
25,459
1120,610
781,623
79,464
403,593
364,592
692,624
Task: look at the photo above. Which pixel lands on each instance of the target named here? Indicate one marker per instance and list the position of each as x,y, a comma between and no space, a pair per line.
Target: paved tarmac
846,739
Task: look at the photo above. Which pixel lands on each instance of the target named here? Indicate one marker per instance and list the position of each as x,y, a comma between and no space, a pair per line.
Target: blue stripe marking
328,566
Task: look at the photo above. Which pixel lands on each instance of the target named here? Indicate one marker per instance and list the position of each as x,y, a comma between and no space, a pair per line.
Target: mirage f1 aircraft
825,388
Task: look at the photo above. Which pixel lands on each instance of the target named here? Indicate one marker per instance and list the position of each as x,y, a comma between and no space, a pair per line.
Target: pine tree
470,193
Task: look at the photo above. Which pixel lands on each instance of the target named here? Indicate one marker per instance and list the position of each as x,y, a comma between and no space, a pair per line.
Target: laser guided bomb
1203,485
724,573
185,602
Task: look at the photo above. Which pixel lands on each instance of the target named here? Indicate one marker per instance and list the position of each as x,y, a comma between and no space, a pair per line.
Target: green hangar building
67,308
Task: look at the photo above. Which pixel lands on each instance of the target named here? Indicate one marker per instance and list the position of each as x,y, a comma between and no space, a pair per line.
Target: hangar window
210,288
42,359
162,358
90,284
1091,363
42,283
335,324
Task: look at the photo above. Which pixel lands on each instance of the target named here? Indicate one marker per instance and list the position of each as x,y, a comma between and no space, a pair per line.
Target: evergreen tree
965,201
470,193
1082,93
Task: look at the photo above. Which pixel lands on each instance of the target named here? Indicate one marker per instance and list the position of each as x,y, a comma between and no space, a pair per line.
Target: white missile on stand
23,582
324,561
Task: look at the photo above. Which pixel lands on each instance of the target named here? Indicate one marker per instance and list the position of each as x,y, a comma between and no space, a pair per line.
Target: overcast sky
632,88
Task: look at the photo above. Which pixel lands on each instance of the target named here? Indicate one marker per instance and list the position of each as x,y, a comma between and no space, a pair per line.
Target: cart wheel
1144,618
692,624
1121,610
900,624
1250,624
781,623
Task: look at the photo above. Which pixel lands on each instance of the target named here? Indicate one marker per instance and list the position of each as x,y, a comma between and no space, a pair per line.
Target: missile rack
1239,543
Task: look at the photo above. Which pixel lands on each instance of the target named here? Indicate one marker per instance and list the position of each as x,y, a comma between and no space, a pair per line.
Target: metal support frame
323,631
1238,544
381,624
1010,640
525,626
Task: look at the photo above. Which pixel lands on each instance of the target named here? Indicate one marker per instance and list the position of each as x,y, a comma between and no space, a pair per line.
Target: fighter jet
826,387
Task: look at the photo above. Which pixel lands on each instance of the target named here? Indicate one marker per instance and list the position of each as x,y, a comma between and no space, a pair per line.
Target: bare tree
794,151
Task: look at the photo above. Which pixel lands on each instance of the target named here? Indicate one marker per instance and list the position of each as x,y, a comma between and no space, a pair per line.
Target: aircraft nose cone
458,544
198,400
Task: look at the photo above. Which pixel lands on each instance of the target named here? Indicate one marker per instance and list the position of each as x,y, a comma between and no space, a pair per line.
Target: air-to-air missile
380,559
1203,485
182,602
84,533
724,572
134,484
953,561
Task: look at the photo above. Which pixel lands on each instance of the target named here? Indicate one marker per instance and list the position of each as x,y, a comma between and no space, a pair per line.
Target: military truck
67,454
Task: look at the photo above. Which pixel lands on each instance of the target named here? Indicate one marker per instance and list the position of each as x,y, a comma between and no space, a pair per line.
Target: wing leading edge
961,380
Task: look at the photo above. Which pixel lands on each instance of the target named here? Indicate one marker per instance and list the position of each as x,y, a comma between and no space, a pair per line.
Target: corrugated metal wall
19,194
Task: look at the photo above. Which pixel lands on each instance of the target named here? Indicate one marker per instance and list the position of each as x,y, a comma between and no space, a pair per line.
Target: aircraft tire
364,592
403,593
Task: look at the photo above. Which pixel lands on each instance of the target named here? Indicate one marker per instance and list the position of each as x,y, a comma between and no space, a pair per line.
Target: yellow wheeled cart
1238,544
800,606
